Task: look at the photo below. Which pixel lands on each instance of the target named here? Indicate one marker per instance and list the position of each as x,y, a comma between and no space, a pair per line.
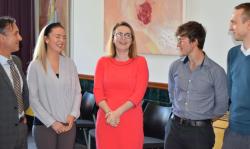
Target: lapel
5,76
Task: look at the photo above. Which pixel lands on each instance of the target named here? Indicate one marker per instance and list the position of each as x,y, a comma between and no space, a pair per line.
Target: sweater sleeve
77,93
229,78
141,82
37,108
98,81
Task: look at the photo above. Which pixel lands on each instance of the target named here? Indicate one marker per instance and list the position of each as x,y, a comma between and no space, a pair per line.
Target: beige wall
87,34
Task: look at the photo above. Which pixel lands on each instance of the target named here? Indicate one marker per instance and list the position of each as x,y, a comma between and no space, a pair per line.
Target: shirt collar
246,52
204,62
3,60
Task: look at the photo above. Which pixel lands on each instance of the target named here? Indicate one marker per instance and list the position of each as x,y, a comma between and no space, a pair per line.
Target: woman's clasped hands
113,118
59,127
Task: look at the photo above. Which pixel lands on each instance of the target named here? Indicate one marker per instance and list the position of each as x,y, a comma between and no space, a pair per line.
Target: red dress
117,82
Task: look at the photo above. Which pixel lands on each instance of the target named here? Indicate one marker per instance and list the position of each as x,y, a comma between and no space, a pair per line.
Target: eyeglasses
124,35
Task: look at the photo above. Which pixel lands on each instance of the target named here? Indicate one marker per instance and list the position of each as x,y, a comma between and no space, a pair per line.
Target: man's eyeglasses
124,35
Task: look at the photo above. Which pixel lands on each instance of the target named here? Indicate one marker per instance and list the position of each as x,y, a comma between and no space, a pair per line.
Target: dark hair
132,49
49,28
6,21
193,30
246,11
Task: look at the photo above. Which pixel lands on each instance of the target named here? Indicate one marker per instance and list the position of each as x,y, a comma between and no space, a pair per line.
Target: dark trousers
21,139
189,137
22,142
47,138
234,140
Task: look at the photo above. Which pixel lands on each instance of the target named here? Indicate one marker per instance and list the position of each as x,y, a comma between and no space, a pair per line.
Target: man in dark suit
14,96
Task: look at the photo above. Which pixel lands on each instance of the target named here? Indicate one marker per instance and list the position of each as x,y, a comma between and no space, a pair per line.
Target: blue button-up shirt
199,94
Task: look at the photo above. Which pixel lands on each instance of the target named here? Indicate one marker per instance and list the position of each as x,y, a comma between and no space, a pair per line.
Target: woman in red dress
119,86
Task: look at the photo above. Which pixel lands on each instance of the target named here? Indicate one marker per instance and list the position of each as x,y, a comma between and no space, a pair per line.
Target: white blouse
51,98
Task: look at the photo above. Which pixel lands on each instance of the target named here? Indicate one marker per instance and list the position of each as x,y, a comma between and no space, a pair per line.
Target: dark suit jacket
8,105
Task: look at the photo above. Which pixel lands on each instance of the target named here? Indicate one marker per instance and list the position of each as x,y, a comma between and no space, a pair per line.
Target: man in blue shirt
198,91
237,135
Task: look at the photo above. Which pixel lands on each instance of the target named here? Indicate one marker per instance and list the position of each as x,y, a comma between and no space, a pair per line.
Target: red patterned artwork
154,22
144,12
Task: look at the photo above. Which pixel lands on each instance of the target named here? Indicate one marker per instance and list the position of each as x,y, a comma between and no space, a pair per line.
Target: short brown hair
6,21
193,30
246,11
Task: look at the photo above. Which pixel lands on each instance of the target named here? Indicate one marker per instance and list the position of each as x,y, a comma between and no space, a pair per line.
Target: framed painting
154,22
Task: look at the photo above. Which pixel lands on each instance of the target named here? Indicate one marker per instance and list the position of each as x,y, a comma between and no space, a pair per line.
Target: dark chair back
87,119
155,120
87,106
144,104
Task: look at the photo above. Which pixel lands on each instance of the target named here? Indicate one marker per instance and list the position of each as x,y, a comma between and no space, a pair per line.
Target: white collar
246,52
3,60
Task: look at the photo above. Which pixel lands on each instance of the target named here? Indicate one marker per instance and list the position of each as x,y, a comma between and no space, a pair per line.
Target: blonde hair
111,49
40,51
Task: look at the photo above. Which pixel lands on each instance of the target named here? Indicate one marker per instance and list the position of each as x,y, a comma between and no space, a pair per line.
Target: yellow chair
29,112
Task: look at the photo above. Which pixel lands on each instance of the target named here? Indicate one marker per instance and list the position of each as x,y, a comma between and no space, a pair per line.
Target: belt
22,120
194,123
